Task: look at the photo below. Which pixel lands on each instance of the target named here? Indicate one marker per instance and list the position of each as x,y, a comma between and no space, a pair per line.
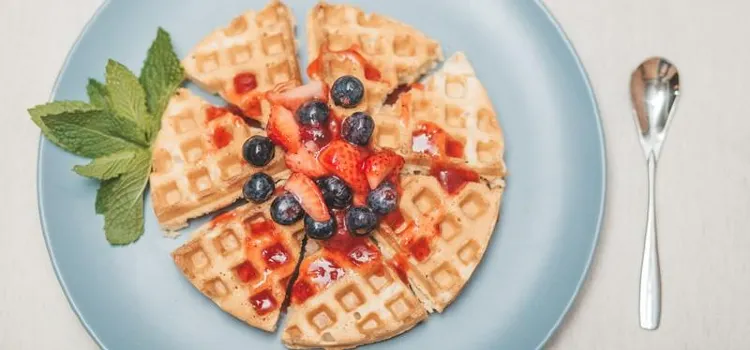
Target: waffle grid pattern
225,261
261,43
455,100
400,53
463,224
198,165
362,307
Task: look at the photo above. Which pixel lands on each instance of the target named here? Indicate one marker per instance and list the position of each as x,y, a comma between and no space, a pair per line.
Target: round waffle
348,291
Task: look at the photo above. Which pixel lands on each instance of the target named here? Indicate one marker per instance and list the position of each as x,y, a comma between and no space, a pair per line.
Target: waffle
243,262
197,160
354,305
439,238
258,43
382,52
454,100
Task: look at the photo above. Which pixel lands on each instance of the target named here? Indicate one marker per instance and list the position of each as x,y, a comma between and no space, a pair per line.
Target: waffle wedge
248,58
197,160
437,238
382,52
346,296
448,116
243,262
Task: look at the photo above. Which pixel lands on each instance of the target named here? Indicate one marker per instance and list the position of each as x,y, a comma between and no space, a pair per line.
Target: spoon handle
650,289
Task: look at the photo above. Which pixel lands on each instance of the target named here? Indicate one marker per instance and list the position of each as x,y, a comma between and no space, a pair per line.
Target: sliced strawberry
344,160
304,162
380,165
283,129
360,199
309,196
293,98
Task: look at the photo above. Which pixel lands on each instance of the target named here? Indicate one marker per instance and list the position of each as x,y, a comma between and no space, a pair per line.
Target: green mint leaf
56,107
107,167
93,133
122,203
97,94
126,96
161,75
106,188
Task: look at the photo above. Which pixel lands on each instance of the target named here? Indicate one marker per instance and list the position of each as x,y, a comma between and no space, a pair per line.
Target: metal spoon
654,91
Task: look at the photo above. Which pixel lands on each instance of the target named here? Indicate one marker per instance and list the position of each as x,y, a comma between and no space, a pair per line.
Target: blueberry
347,91
358,128
285,209
383,199
319,229
258,150
313,112
259,188
336,192
360,221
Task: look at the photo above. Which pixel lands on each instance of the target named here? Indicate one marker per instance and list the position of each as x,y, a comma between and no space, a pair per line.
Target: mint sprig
117,128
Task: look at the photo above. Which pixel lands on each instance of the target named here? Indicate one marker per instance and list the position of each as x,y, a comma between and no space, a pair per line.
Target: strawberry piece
304,162
293,98
380,165
360,199
309,196
344,160
283,129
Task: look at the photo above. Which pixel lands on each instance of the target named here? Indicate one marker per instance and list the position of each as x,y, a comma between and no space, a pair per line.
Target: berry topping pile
334,171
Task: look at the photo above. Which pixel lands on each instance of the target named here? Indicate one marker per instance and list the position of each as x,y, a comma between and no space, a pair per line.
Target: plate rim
39,185
603,160
591,251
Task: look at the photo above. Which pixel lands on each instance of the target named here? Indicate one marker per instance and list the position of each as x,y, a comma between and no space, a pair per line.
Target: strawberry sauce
221,137
222,218
420,249
246,272
432,140
263,302
319,135
244,83
261,228
314,70
453,178
400,264
340,252
302,291
251,107
213,112
275,256
394,219
269,263
356,251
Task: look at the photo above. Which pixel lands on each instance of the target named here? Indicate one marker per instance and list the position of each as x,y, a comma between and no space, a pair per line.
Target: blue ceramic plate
134,298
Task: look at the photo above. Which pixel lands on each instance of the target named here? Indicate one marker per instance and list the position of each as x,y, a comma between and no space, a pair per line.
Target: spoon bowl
654,91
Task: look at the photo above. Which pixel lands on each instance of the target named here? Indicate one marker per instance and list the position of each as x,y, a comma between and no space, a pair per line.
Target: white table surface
703,193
